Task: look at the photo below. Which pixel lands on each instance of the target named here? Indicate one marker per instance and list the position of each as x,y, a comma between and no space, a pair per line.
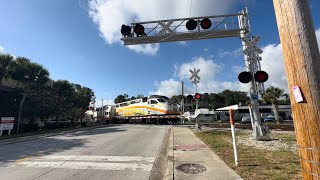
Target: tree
5,60
29,76
63,98
233,97
272,95
121,98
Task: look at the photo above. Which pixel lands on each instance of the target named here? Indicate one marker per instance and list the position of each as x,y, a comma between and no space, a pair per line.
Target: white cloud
238,69
109,15
318,36
208,83
205,49
2,50
272,62
148,49
168,88
235,53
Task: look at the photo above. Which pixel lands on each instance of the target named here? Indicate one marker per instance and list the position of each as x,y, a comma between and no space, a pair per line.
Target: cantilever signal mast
200,28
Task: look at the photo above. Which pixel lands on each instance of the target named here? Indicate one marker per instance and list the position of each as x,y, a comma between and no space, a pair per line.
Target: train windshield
162,100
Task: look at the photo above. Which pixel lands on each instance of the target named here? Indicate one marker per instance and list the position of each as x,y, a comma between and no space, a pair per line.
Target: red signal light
138,29
261,76
191,25
197,96
205,23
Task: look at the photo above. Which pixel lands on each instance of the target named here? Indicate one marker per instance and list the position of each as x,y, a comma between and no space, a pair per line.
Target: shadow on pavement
103,130
45,146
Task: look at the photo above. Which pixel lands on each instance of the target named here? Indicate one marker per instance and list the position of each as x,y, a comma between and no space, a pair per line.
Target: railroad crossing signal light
139,29
245,77
189,97
197,96
205,23
125,30
261,76
191,25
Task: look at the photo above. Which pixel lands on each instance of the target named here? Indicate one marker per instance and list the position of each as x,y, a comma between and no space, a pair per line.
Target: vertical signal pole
302,64
182,100
259,132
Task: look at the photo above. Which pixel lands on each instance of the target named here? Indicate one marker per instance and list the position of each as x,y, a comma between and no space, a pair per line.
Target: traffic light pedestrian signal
197,96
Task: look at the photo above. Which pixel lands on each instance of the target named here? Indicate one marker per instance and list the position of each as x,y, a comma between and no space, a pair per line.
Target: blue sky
79,40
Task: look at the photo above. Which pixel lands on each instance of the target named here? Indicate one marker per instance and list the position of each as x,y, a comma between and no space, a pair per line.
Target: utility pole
182,100
102,113
302,64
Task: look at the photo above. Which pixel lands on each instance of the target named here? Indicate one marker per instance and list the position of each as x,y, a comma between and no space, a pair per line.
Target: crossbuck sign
195,79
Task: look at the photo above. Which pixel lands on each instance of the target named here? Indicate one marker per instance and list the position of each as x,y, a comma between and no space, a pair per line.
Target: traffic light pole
302,64
259,132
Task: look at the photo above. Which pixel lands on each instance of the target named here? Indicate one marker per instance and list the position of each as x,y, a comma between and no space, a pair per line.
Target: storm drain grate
191,168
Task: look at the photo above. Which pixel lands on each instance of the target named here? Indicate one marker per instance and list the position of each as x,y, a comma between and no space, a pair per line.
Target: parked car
246,119
269,118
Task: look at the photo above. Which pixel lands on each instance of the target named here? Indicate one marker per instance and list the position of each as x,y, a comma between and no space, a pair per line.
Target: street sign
6,124
195,79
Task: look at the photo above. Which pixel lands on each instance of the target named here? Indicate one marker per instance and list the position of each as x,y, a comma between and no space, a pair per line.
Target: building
265,110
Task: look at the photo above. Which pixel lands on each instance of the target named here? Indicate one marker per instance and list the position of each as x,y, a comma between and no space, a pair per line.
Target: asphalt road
118,152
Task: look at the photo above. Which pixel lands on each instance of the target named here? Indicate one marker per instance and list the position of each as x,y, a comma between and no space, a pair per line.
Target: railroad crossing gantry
207,27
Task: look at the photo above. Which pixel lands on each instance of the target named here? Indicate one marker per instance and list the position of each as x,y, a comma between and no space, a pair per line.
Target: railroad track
280,127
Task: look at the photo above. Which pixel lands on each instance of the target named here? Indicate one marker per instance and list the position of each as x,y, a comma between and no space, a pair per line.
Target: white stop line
89,162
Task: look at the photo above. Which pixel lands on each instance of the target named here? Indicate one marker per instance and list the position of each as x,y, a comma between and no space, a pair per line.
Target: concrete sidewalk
186,148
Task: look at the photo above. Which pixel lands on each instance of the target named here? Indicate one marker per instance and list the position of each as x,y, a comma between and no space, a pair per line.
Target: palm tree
272,95
5,60
29,75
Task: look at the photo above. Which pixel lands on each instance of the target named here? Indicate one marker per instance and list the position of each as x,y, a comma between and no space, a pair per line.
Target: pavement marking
97,158
89,162
87,165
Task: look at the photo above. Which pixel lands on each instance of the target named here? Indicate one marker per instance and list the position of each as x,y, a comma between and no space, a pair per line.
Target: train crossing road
116,152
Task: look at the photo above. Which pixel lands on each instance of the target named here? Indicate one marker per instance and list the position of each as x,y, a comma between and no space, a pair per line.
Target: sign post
234,139
6,124
195,79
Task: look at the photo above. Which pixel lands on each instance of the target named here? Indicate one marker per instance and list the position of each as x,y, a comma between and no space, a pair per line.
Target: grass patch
254,163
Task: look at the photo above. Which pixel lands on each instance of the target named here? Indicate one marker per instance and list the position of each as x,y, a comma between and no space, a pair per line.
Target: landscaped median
276,159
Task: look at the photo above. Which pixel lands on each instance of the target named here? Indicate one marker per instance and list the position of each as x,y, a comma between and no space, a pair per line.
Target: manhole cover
191,168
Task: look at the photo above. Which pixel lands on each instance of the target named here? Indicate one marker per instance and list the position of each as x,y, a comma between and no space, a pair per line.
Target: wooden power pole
302,63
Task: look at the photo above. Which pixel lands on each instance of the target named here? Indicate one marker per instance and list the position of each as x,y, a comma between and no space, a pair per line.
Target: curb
170,161
38,136
160,164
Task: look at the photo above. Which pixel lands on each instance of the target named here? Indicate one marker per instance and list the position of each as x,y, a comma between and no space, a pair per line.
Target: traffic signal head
197,96
205,23
245,77
191,25
125,30
261,76
138,29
